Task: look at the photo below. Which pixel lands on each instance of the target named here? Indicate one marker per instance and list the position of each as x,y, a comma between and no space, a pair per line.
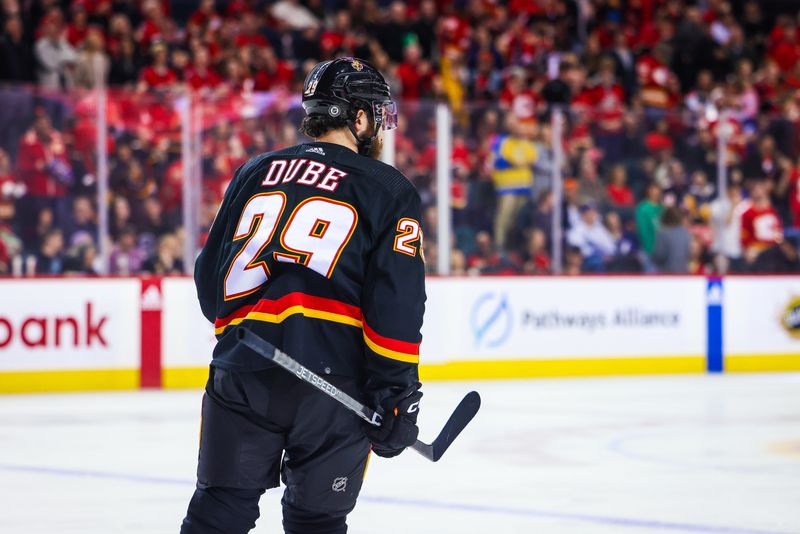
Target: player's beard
375,148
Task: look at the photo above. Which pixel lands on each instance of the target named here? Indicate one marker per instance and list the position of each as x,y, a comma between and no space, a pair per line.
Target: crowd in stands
647,95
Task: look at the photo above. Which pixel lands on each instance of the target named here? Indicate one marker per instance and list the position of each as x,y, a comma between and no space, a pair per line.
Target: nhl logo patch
339,484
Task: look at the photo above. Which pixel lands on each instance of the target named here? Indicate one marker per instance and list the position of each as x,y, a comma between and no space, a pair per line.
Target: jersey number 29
314,235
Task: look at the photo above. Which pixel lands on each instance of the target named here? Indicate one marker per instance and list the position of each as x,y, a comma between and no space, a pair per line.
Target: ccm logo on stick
307,172
55,331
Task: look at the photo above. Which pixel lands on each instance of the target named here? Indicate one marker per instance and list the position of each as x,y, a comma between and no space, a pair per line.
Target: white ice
709,454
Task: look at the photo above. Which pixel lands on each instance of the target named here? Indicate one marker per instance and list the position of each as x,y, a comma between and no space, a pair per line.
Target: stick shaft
293,366
266,349
458,420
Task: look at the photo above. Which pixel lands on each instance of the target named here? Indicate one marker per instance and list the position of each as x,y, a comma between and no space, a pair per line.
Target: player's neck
341,136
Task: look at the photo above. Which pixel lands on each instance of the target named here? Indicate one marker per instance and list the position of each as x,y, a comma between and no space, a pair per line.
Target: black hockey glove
399,428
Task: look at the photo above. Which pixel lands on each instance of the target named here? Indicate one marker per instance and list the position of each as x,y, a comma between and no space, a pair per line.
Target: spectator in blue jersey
513,156
626,246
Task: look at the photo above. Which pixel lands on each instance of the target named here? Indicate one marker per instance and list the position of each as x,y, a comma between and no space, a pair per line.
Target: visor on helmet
385,114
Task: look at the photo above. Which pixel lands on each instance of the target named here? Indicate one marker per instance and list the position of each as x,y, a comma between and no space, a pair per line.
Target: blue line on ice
465,507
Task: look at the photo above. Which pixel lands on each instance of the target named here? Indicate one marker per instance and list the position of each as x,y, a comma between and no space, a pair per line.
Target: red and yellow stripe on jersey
276,311
391,348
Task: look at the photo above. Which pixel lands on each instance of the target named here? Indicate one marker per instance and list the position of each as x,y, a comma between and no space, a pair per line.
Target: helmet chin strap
363,143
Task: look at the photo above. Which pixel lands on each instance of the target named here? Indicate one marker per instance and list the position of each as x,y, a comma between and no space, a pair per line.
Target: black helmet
343,85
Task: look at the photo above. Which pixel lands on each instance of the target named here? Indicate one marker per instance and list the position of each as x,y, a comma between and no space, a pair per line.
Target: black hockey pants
259,427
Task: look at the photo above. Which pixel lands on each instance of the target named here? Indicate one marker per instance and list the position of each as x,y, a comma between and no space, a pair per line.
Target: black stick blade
460,418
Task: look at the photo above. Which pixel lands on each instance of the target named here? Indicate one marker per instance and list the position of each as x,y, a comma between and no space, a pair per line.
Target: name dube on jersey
308,172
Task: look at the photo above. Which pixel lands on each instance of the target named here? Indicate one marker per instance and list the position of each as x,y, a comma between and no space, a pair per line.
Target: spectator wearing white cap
592,238
55,55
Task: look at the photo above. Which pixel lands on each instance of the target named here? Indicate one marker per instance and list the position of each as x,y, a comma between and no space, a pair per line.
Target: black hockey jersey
319,251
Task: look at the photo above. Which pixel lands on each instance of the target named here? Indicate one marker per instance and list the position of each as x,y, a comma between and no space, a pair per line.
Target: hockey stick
458,420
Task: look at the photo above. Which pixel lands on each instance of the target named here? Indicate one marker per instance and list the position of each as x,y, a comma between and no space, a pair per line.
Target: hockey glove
399,428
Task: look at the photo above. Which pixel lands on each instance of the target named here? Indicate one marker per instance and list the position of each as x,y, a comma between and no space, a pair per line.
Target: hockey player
317,248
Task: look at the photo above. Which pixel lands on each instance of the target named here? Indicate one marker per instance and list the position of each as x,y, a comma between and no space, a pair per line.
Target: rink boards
124,333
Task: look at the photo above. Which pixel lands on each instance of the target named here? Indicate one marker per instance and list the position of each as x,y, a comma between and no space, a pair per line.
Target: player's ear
361,122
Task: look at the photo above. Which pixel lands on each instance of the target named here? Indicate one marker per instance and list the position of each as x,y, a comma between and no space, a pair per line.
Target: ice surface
709,454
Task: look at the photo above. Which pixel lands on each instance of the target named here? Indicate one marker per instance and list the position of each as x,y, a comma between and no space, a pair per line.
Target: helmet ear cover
329,108
347,111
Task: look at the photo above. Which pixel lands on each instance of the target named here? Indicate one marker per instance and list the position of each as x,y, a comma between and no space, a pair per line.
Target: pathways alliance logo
491,320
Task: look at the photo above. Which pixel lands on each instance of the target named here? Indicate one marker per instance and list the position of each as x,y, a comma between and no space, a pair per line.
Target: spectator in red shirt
79,25
200,75
658,84
180,61
784,48
768,85
415,73
519,44
618,193
44,168
338,36
517,95
454,31
536,258
237,75
158,74
8,183
607,99
206,16
761,225
486,259
271,72
10,191
485,78
5,258
156,26
119,29
171,189
794,195
249,34
149,31
659,140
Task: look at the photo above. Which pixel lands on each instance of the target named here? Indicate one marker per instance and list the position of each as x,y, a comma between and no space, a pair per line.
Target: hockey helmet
337,87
